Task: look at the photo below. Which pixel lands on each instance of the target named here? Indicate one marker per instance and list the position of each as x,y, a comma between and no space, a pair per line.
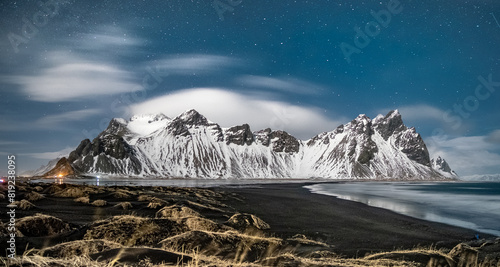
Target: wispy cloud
70,78
494,137
49,155
189,64
104,38
466,155
77,115
11,143
230,108
290,85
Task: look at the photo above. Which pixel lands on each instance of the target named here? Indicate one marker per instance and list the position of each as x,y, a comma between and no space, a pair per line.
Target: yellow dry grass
33,196
84,200
23,204
99,203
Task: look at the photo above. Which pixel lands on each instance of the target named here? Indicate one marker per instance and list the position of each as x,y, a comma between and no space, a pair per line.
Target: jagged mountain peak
389,124
192,117
439,164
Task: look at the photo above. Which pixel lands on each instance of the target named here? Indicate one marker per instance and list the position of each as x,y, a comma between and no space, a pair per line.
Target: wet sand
352,228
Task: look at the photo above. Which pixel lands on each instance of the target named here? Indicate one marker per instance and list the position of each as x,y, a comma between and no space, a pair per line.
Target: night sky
68,67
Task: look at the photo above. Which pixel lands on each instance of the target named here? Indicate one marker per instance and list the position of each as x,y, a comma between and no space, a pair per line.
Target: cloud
105,37
10,143
231,108
466,155
190,64
71,78
50,155
418,112
494,137
77,115
284,84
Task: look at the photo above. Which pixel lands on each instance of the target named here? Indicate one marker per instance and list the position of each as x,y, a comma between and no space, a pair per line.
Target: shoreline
353,228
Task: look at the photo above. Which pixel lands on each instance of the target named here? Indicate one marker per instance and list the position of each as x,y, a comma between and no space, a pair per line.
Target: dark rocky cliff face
63,167
239,135
99,154
283,142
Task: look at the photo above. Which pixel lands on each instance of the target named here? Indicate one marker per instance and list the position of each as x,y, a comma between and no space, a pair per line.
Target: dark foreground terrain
263,225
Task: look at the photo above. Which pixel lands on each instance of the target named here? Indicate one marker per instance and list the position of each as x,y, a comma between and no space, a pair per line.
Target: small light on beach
60,175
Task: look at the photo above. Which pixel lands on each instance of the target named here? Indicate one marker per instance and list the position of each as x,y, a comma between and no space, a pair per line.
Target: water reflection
468,205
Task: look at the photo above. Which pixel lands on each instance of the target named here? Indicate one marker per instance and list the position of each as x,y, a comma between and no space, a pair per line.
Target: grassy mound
243,221
228,245
99,203
78,248
130,230
122,194
203,224
123,205
84,200
23,204
41,225
176,212
72,192
33,196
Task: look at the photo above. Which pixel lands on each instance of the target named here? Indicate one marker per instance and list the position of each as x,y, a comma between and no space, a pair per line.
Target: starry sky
67,67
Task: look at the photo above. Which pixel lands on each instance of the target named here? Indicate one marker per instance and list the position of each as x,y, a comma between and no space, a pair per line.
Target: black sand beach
352,228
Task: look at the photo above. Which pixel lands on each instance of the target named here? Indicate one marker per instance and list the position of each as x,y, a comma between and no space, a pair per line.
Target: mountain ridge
191,146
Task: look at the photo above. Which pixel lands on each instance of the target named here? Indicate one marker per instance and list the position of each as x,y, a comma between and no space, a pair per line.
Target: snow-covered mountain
440,165
190,145
43,169
482,178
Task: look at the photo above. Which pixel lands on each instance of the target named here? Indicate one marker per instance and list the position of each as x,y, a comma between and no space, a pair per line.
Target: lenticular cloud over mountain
231,108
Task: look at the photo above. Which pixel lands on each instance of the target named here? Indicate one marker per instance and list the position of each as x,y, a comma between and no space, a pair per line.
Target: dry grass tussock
33,196
155,203
228,246
144,198
78,248
71,191
176,212
122,194
123,205
41,225
38,188
131,230
203,224
244,221
23,204
99,203
84,200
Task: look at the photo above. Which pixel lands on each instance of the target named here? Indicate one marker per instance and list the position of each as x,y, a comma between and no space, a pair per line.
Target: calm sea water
473,205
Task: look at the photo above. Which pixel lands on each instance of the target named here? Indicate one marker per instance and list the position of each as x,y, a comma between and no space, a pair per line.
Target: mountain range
191,146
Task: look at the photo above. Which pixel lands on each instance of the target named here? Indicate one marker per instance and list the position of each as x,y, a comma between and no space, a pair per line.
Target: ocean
473,205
